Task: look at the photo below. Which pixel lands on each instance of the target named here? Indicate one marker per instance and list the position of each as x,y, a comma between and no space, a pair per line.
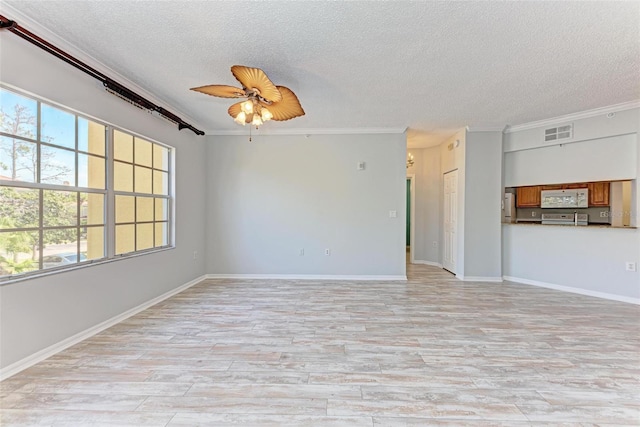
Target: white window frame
109,192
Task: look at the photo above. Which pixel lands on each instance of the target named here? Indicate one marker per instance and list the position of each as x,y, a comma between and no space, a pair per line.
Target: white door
450,220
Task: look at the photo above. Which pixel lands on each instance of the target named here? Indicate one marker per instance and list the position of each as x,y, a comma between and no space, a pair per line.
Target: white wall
279,194
41,312
428,197
626,201
482,210
592,127
603,159
616,200
589,260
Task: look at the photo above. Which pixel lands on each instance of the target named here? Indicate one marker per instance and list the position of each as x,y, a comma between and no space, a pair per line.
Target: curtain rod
110,84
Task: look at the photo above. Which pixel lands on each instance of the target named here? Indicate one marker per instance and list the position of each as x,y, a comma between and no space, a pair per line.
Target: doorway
449,247
410,226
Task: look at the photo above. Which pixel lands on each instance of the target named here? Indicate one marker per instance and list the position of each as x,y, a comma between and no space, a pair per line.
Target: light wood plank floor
432,351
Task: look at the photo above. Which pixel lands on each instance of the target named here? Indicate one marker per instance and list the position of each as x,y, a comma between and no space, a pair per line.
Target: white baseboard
479,278
307,277
580,291
434,264
45,353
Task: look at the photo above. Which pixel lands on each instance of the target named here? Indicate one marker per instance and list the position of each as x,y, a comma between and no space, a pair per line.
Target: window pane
122,177
57,166
122,146
144,209
58,127
18,252
160,183
91,208
144,236
91,171
125,209
19,207
162,234
60,247
143,180
59,208
160,157
92,242
18,160
161,209
125,238
91,136
143,153
19,115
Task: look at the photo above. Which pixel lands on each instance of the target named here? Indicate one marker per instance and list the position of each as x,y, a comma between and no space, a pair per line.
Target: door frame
454,251
412,214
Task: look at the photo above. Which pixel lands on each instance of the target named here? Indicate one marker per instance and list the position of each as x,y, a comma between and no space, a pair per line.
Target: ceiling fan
265,101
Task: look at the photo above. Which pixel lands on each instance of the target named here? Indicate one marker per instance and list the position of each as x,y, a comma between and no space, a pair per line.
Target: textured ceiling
433,67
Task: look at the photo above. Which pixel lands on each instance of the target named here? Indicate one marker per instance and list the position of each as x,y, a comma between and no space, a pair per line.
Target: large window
141,187
74,190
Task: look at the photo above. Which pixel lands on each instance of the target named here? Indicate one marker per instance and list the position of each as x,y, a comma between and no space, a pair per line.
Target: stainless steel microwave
578,198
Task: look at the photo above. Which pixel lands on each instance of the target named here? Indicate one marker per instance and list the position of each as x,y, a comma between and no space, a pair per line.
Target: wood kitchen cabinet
528,197
599,193
575,186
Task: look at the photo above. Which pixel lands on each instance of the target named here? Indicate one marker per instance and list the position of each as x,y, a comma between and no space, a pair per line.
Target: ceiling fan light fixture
247,106
257,120
266,114
241,118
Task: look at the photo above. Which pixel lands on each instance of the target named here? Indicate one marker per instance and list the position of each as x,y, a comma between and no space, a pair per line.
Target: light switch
361,166
393,214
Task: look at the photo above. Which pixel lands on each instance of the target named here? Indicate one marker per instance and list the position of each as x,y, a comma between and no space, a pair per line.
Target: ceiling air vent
560,132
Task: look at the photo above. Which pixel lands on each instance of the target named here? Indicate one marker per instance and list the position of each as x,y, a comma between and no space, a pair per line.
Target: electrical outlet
393,214
195,255
534,213
630,266
327,252
301,252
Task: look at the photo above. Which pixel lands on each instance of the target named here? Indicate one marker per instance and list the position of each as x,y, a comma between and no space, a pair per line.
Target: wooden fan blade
235,109
221,91
288,108
255,78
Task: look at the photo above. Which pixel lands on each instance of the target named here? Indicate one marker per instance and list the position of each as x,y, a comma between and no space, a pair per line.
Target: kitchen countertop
537,223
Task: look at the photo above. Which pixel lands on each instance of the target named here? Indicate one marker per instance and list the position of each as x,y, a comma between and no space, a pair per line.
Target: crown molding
308,131
30,24
485,128
574,116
